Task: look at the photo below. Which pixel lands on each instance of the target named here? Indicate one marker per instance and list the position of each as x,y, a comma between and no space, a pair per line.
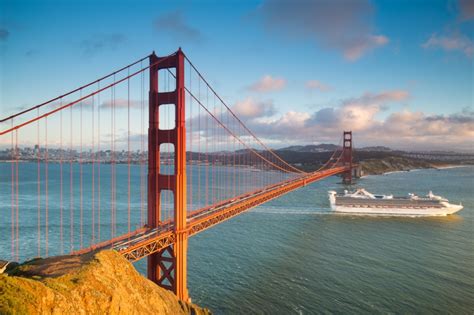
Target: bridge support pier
168,267
347,157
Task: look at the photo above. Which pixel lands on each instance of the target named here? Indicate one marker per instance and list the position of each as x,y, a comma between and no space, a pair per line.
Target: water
95,216
291,256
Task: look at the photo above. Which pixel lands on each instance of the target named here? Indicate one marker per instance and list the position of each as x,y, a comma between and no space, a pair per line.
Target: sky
396,73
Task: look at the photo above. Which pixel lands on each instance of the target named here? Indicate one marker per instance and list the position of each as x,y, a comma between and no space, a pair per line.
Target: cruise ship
363,202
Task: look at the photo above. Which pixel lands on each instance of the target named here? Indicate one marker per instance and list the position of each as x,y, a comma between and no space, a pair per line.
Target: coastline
394,164
444,167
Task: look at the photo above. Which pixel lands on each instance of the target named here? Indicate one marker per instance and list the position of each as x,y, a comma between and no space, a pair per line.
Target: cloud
342,25
455,128
120,103
455,42
293,122
360,48
379,98
4,33
174,23
267,84
358,113
355,113
251,109
102,42
465,116
466,10
405,129
317,85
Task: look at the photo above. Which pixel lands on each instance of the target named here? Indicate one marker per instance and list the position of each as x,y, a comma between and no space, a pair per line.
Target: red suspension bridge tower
256,173
168,267
347,156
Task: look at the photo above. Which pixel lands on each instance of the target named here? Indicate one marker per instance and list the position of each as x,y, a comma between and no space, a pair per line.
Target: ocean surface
293,256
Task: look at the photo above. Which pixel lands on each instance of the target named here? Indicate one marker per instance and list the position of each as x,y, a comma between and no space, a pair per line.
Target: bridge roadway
146,241
153,240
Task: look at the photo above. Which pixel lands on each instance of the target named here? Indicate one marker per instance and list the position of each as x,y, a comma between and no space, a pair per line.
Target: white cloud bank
268,84
404,129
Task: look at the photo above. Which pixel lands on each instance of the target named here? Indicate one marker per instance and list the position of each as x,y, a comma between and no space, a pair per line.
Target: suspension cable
84,97
240,121
73,91
234,135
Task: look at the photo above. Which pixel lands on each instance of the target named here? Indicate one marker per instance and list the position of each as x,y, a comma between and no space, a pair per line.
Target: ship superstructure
364,202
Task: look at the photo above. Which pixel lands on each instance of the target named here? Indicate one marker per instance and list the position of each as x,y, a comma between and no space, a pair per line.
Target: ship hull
398,211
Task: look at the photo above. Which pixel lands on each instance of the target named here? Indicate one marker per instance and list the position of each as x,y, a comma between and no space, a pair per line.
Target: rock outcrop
96,283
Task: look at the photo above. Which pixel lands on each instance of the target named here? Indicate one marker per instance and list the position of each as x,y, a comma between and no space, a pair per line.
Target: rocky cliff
96,283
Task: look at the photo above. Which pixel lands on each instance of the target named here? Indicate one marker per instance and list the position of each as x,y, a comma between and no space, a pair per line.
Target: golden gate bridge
99,180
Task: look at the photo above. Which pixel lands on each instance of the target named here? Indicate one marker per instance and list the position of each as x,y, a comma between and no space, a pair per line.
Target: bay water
292,255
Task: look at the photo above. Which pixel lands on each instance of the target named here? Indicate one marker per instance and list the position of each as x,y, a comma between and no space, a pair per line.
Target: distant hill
324,147
311,148
375,148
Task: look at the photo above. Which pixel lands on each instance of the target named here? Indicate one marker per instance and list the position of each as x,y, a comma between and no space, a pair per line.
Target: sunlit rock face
96,283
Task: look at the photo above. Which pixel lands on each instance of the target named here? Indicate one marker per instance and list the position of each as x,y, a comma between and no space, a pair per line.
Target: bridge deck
153,240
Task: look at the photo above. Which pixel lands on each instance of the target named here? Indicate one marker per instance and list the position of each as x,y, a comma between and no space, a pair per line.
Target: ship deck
388,203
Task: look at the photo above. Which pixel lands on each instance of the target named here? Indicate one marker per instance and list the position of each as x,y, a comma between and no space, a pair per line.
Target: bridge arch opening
167,116
167,158
167,80
167,206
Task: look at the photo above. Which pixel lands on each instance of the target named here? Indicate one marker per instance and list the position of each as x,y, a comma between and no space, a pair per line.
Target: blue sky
398,73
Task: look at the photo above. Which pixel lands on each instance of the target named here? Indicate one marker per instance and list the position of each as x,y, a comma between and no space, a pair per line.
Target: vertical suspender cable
128,144
142,135
115,162
12,162
171,197
61,157
98,162
46,162
207,153
71,182
112,162
38,186
213,155
81,177
17,194
190,146
94,156
114,178
199,152
233,161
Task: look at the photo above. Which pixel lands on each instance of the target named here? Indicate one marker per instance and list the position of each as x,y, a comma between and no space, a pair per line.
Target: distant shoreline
451,166
391,164
454,166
